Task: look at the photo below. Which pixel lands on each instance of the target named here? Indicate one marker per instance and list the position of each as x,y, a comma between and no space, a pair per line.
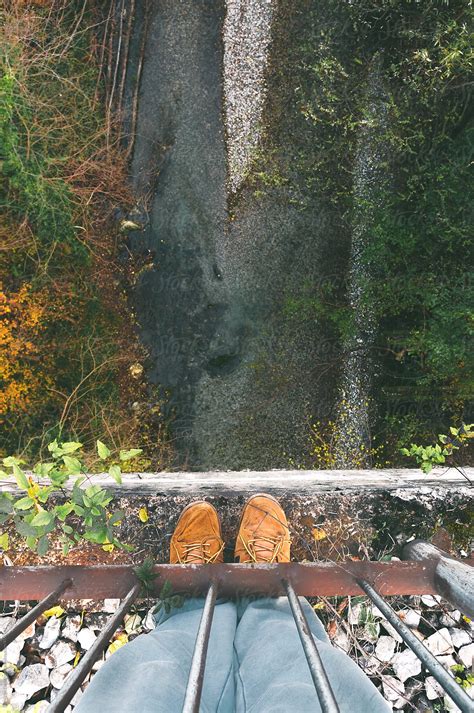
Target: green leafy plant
463,676
58,497
429,456
168,600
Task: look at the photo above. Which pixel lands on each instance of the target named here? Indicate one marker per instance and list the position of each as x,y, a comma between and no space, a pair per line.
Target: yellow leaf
117,644
319,605
76,659
466,619
108,548
143,515
33,490
319,533
54,611
4,541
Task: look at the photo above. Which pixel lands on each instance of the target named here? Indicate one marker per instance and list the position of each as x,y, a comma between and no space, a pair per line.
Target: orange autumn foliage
22,379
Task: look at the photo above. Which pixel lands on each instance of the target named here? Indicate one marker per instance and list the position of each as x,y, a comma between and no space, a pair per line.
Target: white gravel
247,36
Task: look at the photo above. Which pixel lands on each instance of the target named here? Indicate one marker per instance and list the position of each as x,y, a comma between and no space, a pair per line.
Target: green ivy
59,497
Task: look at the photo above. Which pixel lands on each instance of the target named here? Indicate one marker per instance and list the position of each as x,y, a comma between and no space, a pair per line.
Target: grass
67,363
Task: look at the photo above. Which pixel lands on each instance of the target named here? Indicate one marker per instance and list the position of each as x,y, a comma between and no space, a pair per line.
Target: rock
393,689
58,675
149,621
51,633
38,707
433,689
27,633
466,655
62,652
111,605
369,665
440,643
18,700
97,621
341,640
385,648
86,638
393,633
354,614
411,617
413,687
447,662
6,622
450,618
5,689
430,601
11,654
460,637
31,679
406,664
423,705
71,628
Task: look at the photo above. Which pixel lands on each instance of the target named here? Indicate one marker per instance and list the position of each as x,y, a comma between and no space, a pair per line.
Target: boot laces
199,553
264,549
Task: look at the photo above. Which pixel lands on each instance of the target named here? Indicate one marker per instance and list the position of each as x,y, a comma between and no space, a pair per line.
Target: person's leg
271,670
270,666
151,673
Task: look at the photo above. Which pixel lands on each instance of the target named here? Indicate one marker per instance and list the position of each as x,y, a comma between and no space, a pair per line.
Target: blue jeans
255,663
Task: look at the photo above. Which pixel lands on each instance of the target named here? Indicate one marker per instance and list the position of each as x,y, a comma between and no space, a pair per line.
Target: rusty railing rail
427,570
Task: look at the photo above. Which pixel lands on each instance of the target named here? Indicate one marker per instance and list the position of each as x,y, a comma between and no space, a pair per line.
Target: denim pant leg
150,673
271,670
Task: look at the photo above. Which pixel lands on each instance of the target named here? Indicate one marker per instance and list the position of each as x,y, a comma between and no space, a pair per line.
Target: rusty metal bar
192,697
454,580
458,695
308,579
33,614
74,680
326,697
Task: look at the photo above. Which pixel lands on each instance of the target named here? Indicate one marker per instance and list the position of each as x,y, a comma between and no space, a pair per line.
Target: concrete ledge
333,514
297,482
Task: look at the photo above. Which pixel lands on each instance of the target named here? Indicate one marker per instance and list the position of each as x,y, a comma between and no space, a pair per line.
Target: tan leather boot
197,537
264,535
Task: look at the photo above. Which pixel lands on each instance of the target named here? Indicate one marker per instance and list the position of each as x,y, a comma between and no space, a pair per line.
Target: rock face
32,679
216,304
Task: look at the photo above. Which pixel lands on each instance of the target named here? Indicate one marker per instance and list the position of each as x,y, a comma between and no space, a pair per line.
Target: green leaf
42,518
31,542
6,504
132,453
43,469
24,529
70,446
44,493
116,517
55,449
43,545
102,450
20,477
116,473
166,590
73,465
62,511
24,503
10,461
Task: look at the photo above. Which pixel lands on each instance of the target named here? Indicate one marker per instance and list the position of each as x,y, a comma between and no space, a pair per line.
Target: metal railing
426,570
